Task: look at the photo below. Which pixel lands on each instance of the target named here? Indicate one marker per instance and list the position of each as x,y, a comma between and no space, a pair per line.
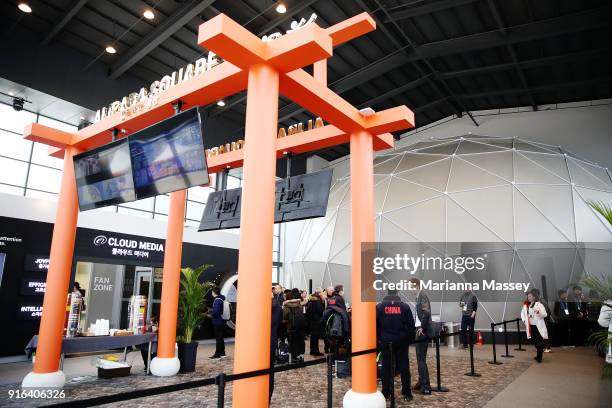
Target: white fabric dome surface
468,189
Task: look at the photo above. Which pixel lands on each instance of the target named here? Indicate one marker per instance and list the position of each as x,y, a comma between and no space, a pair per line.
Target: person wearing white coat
533,314
605,320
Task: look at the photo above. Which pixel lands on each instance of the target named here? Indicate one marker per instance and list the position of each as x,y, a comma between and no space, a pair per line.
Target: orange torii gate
264,69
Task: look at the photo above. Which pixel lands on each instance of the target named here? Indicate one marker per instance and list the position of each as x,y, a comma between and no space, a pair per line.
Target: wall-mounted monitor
304,196
162,158
169,155
104,176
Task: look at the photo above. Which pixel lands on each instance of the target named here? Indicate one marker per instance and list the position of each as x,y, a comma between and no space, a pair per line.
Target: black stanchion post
518,332
472,373
439,388
392,374
220,381
493,343
507,355
330,363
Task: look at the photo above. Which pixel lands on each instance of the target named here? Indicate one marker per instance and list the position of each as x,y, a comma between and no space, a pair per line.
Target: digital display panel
169,155
304,196
104,176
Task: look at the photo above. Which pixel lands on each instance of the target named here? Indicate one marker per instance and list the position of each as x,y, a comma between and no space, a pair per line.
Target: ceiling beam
531,63
599,82
294,9
161,33
63,20
402,13
500,24
595,18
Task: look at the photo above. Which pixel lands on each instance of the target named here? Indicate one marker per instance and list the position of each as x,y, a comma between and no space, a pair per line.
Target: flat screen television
304,197
104,176
164,157
169,155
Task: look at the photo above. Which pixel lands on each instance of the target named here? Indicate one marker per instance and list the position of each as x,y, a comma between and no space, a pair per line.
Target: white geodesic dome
469,189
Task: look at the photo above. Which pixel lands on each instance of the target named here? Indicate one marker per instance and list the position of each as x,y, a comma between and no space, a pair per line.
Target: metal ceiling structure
439,57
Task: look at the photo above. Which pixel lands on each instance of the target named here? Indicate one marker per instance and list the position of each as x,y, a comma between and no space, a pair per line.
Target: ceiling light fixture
110,49
11,93
148,14
281,8
221,103
25,7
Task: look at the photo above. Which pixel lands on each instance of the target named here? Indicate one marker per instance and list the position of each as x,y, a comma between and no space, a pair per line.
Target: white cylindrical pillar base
56,379
359,400
165,367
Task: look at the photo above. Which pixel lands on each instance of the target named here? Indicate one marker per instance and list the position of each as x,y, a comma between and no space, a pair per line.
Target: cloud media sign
122,246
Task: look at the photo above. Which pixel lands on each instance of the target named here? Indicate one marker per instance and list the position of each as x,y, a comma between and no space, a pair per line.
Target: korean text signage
128,249
36,263
29,310
33,285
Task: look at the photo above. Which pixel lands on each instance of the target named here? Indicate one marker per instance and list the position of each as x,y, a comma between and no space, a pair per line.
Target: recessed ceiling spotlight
221,103
110,49
82,118
25,7
12,93
281,8
148,14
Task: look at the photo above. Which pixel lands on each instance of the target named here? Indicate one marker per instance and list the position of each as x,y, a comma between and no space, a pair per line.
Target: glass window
162,204
160,217
56,124
14,145
194,211
199,194
44,178
15,121
41,194
40,155
191,223
13,171
233,182
144,204
131,211
11,190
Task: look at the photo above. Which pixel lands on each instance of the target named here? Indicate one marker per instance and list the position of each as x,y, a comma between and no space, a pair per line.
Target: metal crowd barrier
505,331
222,379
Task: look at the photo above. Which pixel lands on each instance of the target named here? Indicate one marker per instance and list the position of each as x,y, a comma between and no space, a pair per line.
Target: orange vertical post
166,364
364,389
319,71
253,319
46,372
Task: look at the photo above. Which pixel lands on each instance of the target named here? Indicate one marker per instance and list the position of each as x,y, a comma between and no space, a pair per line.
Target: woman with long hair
533,314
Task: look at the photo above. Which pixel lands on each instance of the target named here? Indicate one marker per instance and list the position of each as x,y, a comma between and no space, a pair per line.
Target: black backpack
297,322
334,327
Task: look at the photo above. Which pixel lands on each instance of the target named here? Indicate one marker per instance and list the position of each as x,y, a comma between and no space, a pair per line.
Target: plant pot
187,353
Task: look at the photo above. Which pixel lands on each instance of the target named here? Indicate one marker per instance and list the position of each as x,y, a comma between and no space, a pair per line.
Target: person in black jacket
426,330
314,312
277,319
395,326
337,297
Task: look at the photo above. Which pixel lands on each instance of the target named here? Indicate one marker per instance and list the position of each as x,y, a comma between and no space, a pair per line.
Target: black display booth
25,247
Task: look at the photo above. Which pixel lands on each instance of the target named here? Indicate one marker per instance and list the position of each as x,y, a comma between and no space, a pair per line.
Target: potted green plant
191,313
602,339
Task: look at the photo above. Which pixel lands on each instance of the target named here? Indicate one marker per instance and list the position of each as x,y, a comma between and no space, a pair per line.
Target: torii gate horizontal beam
226,79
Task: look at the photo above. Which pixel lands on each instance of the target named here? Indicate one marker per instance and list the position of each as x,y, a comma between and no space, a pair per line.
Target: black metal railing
222,379
506,342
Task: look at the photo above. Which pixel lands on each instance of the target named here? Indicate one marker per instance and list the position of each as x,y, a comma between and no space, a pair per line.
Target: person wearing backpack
218,322
314,312
296,324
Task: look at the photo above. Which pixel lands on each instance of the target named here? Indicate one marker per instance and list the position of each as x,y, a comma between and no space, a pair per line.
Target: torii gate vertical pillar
46,372
364,392
166,363
253,319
